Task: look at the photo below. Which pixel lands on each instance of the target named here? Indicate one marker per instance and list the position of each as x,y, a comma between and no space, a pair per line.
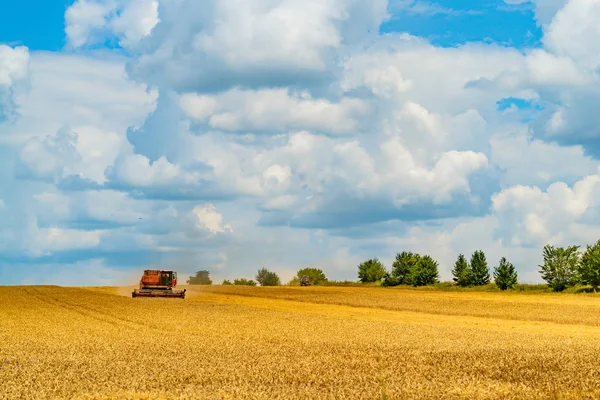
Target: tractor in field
305,280
158,283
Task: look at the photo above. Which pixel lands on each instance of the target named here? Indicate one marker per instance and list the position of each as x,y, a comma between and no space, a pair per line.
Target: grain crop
564,308
297,343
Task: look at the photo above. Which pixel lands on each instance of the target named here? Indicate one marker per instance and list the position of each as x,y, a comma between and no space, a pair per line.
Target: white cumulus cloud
319,140
257,43
92,21
274,110
208,218
14,64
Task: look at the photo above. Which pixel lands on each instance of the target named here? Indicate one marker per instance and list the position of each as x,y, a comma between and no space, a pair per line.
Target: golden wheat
560,308
276,343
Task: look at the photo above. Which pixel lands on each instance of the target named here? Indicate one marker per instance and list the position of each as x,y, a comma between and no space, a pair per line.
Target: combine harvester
158,283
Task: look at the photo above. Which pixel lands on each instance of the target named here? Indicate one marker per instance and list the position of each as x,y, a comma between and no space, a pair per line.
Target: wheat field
225,342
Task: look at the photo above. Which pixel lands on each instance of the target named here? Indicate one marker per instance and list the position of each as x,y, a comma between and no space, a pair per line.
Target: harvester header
158,283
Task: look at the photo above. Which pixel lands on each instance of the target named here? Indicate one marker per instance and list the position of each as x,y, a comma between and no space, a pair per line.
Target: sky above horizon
231,135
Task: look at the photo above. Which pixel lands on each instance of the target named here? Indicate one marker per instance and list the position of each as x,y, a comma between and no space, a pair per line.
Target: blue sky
452,23
40,25
37,24
235,136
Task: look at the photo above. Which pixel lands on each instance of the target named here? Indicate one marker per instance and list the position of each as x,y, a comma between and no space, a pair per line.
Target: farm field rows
290,342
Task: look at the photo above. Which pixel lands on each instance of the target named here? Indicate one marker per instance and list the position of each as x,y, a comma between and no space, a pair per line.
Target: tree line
415,269
566,267
562,267
264,277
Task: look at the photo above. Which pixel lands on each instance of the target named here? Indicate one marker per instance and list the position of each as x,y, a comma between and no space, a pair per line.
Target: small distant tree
371,271
244,282
402,266
465,278
201,278
389,280
267,278
295,281
424,272
462,271
315,275
479,269
505,275
226,282
560,268
589,266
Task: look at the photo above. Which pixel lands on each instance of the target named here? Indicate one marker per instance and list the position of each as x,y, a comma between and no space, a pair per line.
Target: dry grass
270,343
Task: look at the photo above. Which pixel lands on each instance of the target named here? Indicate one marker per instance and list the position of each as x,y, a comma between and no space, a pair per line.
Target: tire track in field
46,298
93,313
405,317
294,296
109,318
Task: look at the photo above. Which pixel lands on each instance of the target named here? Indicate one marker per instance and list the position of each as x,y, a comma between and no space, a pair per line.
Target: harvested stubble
269,343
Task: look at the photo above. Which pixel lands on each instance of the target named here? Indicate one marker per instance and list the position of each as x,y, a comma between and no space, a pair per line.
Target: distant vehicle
158,283
305,281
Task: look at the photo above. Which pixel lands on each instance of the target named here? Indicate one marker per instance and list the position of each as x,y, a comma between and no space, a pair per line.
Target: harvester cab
158,283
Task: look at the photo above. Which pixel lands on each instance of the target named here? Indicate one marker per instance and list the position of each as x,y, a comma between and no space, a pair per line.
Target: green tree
505,275
201,278
315,275
479,269
267,278
465,278
424,272
589,266
389,280
294,281
244,282
560,268
402,266
226,282
371,271
462,271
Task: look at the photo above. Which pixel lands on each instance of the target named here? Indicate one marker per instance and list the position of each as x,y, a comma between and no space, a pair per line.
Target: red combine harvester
158,283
